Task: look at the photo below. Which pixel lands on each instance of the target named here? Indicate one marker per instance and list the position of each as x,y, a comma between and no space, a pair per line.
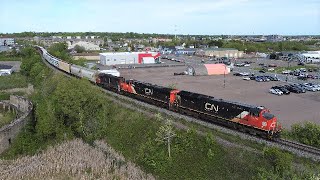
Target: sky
196,17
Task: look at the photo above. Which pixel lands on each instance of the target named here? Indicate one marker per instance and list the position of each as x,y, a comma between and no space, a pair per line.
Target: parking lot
289,109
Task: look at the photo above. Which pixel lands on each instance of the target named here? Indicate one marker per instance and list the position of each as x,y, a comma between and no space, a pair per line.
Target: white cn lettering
211,107
148,91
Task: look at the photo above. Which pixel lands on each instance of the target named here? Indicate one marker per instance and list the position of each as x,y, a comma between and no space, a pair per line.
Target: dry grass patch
73,160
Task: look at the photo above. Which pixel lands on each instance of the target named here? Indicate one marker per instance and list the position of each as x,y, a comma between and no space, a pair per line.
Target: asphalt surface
289,109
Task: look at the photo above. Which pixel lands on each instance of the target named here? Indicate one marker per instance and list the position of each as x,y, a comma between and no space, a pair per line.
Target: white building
88,46
129,58
6,41
311,57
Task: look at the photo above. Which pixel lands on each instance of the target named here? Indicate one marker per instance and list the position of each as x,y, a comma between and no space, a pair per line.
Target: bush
280,161
307,133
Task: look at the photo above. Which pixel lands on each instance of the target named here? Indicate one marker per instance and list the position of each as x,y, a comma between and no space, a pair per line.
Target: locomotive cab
261,118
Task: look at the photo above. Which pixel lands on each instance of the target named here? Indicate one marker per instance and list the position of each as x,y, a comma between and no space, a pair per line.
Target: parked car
310,76
272,65
273,78
258,79
304,78
271,69
236,74
265,78
246,78
286,72
309,88
283,89
293,89
275,91
244,74
316,86
303,69
262,71
299,86
252,77
246,65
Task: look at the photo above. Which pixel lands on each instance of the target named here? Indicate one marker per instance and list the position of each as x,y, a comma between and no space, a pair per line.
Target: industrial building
311,57
6,41
220,52
129,58
207,69
187,51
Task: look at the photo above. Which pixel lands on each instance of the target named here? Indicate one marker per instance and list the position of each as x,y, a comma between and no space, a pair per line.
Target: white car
276,92
244,74
271,69
246,78
246,65
286,72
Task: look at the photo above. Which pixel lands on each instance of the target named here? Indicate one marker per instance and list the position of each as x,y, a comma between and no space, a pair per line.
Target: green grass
6,118
6,95
16,80
291,68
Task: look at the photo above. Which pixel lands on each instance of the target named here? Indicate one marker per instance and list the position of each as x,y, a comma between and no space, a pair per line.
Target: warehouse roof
2,66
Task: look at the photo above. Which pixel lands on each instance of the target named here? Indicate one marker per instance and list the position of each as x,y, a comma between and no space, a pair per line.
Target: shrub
307,133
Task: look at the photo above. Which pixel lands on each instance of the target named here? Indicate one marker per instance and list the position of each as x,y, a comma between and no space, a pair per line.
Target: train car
210,108
109,81
64,66
159,94
83,72
50,59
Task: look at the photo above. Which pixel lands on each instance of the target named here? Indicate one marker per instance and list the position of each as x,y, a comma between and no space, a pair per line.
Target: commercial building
187,51
129,58
6,41
207,69
311,57
220,52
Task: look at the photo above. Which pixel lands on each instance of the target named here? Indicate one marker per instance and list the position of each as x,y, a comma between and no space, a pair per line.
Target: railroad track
299,146
299,149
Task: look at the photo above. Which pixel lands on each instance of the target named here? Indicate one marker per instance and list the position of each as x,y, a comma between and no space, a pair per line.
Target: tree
79,49
218,43
165,133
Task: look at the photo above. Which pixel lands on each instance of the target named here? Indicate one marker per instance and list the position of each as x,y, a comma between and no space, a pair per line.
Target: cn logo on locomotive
148,91
211,107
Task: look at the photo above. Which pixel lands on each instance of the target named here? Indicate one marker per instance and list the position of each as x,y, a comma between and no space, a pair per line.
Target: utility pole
224,77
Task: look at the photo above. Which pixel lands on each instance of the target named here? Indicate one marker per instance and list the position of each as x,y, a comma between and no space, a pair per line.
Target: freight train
256,120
